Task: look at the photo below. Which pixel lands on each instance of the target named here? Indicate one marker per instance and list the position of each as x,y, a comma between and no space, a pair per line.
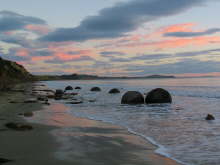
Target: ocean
179,129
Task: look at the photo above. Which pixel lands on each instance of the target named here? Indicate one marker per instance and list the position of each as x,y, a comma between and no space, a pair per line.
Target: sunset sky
112,37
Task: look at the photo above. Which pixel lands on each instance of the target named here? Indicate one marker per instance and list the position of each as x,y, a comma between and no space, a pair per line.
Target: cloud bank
120,19
10,21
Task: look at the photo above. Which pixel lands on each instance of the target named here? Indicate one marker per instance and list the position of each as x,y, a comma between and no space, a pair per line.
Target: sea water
178,129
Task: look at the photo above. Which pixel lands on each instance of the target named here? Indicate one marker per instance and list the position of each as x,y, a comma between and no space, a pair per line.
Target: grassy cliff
12,73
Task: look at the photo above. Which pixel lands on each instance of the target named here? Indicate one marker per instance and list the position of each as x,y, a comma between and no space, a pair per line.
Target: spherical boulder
77,87
113,91
210,117
95,89
157,96
68,88
132,97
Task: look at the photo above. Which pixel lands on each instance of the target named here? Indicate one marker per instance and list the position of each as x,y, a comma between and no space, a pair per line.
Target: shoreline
97,142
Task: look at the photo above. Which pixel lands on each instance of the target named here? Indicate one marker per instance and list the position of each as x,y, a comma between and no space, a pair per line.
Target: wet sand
63,139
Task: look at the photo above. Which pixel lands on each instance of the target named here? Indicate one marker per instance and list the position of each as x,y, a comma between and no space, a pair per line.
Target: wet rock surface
157,96
132,97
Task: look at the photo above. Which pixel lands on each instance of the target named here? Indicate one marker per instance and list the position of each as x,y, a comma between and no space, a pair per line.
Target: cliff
12,73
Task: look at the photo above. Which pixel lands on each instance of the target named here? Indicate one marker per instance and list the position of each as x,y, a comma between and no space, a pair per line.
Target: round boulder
68,88
77,87
113,91
157,96
95,89
132,97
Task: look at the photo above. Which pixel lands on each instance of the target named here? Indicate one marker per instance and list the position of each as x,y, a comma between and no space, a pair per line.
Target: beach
88,142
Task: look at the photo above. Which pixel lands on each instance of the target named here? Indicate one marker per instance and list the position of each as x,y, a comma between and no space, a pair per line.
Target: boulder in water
95,89
132,97
68,88
77,87
114,90
210,117
157,96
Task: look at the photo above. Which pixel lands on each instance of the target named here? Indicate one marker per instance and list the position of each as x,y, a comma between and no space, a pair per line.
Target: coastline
89,141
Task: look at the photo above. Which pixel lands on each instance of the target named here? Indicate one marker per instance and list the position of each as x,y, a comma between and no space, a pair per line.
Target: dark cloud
42,53
15,39
123,17
192,34
10,21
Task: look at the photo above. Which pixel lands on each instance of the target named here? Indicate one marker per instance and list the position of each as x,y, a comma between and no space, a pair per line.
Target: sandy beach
87,142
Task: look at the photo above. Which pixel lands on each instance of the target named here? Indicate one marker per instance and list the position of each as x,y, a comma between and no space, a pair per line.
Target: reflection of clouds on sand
86,141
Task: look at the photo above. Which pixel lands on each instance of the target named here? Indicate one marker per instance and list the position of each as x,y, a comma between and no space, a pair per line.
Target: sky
112,37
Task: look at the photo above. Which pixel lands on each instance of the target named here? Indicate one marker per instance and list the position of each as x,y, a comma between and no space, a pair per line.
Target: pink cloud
40,29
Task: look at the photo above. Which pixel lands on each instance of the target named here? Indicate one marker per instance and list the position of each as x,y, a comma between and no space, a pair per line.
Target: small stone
19,126
68,88
113,91
210,117
28,114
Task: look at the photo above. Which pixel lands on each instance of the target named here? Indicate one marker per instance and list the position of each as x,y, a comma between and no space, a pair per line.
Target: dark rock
42,98
58,94
68,88
95,89
28,114
31,100
19,126
3,160
132,97
210,117
157,96
92,100
113,91
75,102
13,102
77,87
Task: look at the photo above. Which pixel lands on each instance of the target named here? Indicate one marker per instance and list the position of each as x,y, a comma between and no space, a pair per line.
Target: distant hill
94,77
160,76
11,73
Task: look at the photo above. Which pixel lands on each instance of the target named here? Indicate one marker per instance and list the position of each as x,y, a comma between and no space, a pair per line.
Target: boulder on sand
58,94
157,96
68,88
132,97
95,89
113,91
